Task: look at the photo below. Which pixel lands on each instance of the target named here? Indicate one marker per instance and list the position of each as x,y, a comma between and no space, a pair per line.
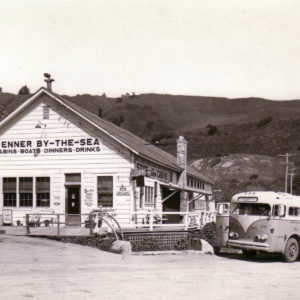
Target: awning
184,189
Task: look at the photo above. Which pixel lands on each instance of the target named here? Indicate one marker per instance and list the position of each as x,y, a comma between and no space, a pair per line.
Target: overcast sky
194,47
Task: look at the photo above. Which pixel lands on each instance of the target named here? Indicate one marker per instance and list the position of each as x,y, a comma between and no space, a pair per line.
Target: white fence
178,220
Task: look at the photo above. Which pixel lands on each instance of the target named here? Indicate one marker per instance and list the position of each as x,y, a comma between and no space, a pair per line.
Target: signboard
7,216
247,199
151,170
49,146
123,191
88,193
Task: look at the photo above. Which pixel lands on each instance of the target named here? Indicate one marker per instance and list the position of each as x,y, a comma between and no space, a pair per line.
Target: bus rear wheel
291,250
249,253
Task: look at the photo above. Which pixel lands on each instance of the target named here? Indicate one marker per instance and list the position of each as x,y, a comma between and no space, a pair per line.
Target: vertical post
291,180
27,224
186,221
199,223
91,223
151,221
58,231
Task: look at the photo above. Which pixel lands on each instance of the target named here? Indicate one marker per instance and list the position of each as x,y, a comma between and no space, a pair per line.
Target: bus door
222,225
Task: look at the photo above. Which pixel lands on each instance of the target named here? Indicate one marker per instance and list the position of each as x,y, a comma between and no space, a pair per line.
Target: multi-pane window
25,190
42,191
9,192
149,195
105,190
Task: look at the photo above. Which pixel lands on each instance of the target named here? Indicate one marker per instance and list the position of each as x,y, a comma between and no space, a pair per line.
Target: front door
73,205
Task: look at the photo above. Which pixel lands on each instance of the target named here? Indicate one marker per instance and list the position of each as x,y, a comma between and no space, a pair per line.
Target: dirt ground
44,269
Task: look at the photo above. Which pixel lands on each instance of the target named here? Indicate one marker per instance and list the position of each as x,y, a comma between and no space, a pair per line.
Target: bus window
252,209
279,210
294,211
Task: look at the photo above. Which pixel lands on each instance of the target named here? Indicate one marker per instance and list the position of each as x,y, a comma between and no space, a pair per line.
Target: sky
227,48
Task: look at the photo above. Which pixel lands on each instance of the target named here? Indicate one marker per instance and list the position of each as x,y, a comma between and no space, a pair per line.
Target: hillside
243,172
215,128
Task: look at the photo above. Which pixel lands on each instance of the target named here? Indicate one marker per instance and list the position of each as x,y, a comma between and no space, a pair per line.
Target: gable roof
135,144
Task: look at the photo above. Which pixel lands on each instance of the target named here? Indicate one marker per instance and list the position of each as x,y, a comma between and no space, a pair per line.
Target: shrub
211,129
160,136
117,120
24,90
150,124
263,122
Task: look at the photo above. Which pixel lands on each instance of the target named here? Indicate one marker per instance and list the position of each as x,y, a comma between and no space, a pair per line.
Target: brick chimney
182,162
182,159
49,81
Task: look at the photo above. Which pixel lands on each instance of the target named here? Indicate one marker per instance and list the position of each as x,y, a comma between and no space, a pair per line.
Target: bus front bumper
248,245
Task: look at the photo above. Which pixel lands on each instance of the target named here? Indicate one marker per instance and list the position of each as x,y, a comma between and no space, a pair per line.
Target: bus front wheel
291,250
249,253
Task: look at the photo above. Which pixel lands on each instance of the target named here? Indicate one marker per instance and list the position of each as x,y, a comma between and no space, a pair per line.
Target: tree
24,90
0,89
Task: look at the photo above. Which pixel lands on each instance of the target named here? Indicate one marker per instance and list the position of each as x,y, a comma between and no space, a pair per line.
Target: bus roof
267,197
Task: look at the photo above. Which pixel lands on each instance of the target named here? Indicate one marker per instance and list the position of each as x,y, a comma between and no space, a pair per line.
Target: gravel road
44,269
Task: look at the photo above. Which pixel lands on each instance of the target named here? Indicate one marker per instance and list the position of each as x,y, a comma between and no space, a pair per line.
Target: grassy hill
216,129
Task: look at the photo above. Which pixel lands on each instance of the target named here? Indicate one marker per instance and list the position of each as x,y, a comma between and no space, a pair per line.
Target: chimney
49,81
181,152
182,159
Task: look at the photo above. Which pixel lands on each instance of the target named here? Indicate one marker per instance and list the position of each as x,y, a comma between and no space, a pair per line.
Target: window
43,191
105,191
25,190
73,178
149,195
279,210
252,209
9,192
46,112
294,211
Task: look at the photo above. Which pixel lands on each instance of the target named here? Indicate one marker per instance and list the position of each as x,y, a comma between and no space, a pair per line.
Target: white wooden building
56,157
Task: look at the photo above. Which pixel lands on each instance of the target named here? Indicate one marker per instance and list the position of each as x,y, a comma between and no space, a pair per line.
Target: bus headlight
264,237
233,235
260,238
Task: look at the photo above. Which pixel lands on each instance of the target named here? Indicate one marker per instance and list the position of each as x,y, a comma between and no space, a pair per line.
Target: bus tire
291,250
217,250
249,253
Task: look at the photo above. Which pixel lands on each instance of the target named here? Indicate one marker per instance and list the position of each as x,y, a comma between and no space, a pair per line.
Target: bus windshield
252,209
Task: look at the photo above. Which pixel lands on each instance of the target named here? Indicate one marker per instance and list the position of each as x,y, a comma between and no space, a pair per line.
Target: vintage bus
266,222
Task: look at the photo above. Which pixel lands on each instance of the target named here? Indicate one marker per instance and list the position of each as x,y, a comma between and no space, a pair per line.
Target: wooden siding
112,159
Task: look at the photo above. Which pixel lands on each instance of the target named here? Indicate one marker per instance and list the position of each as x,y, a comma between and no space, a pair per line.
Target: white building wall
112,159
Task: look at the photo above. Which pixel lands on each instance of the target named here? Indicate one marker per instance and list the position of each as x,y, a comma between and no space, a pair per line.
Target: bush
211,129
263,122
24,90
150,124
117,120
160,136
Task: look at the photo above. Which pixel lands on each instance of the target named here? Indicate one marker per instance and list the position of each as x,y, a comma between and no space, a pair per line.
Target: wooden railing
185,220
52,219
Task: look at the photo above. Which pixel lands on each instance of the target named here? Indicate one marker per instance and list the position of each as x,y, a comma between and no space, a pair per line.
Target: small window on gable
46,112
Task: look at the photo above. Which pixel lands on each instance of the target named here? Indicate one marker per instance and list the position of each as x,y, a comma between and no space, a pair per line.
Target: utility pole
287,155
292,174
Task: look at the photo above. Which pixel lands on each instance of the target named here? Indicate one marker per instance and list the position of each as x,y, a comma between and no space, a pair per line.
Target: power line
287,155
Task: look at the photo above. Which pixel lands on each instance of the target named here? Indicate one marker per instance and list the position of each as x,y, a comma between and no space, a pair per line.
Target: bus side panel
282,230
222,230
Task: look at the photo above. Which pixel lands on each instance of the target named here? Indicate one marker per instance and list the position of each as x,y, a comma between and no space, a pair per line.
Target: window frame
43,192
111,191
9,191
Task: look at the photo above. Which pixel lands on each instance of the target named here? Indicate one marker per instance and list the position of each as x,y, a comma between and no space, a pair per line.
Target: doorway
73,206
171,205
